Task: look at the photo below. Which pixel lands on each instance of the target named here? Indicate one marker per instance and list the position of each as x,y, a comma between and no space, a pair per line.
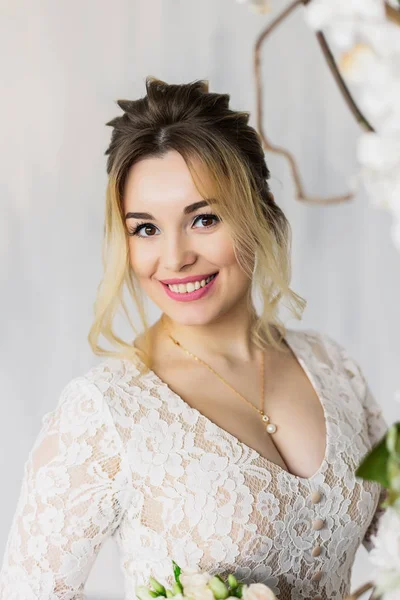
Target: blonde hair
226,160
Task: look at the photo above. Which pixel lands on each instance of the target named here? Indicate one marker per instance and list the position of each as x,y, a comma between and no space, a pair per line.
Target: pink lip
186,279
189,296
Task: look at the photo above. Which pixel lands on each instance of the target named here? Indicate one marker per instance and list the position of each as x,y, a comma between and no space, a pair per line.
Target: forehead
160,180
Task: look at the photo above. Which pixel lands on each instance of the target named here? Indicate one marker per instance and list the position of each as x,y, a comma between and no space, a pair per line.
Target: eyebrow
187,210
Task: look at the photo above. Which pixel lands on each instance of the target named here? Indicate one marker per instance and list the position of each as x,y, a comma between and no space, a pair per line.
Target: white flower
343,16
257,591
370,61
385,555
369,57
379,152
377,84
379,158
194,584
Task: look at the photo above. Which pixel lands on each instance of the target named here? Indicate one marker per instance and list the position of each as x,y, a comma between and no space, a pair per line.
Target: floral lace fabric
122,455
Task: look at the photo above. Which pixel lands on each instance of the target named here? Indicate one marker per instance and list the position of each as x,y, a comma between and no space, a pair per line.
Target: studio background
64,64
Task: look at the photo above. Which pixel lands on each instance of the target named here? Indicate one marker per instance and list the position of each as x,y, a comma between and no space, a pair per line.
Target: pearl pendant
271,428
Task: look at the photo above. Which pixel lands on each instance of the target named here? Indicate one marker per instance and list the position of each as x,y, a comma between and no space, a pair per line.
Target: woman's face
173,241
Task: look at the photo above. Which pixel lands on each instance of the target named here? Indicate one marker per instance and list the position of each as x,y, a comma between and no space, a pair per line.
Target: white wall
64,64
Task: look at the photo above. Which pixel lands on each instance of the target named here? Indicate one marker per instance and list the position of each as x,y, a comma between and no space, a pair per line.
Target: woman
173,445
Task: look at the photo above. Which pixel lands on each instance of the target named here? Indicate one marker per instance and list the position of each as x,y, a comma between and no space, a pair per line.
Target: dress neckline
269,465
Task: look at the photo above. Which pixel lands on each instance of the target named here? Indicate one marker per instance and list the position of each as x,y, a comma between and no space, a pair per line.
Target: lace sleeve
75,488
377,428
376,424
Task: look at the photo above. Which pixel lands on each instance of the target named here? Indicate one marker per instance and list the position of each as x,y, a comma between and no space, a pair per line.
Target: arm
75,489
377,428
376,424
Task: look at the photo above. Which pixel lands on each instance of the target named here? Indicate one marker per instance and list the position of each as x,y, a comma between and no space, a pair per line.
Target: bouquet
191,584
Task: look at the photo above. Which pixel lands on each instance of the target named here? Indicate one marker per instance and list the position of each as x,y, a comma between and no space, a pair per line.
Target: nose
176,252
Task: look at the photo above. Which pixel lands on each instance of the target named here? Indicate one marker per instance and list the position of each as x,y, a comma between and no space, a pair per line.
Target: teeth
184,288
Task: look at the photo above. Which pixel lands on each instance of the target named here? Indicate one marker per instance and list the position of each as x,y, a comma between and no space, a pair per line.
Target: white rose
257,591
194,584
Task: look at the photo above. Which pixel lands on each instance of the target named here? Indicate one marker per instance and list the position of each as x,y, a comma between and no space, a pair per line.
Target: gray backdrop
64,64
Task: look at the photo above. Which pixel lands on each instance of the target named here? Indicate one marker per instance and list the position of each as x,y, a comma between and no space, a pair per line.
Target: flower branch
361,119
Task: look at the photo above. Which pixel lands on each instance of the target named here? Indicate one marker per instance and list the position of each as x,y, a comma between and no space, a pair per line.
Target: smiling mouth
196,285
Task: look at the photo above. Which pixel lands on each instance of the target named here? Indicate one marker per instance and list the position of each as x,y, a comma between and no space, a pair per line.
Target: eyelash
143,224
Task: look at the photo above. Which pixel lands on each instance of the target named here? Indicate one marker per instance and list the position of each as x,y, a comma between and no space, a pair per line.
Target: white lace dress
122,455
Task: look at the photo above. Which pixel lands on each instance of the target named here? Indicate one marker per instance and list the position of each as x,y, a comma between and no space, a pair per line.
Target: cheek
141,259
220,251
222,255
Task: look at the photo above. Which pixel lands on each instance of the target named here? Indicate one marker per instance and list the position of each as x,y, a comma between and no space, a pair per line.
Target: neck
227,338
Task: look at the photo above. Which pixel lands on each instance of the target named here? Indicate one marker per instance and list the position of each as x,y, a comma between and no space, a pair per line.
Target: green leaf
177,588
218,588
233,582
177,572
394,474
143,593
160,589
393,440
374,466
169,593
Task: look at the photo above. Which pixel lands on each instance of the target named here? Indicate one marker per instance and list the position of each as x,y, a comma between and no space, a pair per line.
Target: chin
189,319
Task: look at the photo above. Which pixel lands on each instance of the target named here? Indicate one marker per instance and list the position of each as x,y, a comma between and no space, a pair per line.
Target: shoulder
97,407
112,372
317,342
326,348
330,353
95,391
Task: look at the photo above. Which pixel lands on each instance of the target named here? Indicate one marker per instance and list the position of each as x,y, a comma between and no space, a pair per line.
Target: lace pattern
122,455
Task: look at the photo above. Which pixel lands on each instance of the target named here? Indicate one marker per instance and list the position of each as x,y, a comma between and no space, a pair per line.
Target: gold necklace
270,428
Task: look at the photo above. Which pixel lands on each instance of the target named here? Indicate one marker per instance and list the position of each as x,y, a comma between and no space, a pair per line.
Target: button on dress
123,456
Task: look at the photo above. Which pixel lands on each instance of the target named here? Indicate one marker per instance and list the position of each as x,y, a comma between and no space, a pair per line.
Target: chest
209,503
290,401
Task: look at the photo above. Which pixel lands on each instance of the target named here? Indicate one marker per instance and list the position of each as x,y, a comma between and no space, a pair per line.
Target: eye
139,228
206,216
146,226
